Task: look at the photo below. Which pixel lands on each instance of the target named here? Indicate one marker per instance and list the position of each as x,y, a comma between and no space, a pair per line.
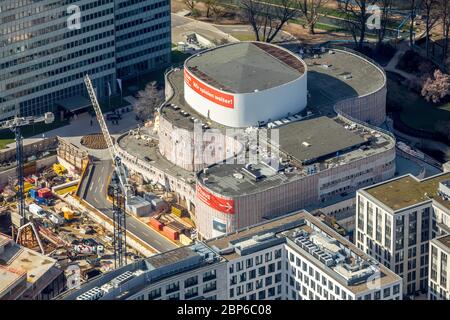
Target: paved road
95,195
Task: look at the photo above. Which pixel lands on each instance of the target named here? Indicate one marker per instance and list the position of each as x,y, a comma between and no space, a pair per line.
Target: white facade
248,109
439,286
400,238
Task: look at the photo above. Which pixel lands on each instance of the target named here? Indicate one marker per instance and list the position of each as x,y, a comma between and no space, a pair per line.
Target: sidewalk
81,126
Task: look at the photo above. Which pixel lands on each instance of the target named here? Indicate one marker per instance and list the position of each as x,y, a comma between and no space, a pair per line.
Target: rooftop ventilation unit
124,277
93,294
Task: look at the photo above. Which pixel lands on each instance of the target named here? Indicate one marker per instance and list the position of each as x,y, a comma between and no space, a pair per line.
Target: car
147,159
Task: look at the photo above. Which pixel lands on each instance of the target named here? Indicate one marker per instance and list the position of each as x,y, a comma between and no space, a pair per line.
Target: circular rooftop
246,67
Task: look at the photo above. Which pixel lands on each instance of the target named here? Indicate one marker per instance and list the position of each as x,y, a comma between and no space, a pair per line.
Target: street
96,196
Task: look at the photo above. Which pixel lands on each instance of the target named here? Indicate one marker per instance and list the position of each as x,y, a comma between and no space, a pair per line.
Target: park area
416,112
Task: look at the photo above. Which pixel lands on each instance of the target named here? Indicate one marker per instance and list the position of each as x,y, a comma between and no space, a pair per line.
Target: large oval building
241,84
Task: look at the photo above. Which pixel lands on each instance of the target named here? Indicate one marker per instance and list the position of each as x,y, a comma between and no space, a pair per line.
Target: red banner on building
222,205
213,95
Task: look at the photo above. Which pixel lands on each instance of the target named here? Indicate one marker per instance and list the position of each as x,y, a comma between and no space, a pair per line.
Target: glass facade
43,56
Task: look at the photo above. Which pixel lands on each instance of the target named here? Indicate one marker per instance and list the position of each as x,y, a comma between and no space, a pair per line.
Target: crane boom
122,192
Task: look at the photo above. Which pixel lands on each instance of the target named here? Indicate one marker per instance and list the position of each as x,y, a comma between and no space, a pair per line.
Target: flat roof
445,240
246,66
171,257
315,138
406,191
289,223
75,103
326,86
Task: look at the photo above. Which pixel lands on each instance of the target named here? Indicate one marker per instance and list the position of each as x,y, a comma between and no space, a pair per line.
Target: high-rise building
439,287
396,220
294,257
47,46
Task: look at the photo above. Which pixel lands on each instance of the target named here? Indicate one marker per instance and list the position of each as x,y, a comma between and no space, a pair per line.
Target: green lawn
4,142
416,112
242,36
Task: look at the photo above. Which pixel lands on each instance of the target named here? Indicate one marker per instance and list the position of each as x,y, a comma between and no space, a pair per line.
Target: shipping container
45,193
170,233
155,224
33,193
178,210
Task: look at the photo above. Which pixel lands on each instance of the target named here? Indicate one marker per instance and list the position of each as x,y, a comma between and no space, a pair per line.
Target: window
268,281
262,271
172,287
154,294
249,287
192,281
209,286
396,289
262,295
252,274
191,293
249,263
210,275
386,292
377,295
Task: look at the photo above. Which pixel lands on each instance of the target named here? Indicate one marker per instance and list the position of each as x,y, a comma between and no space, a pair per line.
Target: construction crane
15,125
121,188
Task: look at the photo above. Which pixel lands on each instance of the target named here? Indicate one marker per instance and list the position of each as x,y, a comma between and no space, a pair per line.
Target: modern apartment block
439,287
45,49
395,221
294,257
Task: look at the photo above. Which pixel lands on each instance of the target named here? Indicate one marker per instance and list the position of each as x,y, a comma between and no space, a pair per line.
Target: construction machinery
121,187
15,125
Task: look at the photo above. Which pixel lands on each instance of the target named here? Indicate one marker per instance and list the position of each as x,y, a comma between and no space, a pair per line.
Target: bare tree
445,21
148,100
355,19
412,7
217,10
385,14
209,4
437,87
268,18
431,10
191,5
310,11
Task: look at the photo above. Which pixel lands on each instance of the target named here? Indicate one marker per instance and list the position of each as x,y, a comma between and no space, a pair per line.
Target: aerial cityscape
230,150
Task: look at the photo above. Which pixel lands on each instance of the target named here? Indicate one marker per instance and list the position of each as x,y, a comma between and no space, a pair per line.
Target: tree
430,8
191,5
209,4
217,10
443,127
355,19
444,7
385,12
148,101
268,17
310,11
437,87
412,7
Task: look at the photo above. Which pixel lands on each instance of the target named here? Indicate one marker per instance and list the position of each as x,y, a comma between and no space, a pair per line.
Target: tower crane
15,125
121,187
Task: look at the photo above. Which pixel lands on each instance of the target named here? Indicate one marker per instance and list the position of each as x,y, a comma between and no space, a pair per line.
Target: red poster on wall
213,95
222,205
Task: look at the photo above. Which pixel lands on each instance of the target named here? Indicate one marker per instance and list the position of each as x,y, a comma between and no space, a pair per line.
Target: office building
47,46
295,257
